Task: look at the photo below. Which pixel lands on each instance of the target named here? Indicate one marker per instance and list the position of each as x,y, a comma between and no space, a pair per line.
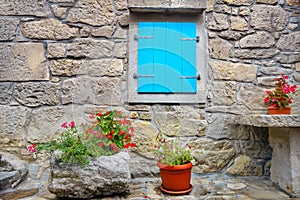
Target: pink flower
65,125
72,124
268,92
267,99
285,77
31,149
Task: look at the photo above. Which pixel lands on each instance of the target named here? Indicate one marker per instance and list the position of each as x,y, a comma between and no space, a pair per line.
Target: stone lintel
292,121
166,10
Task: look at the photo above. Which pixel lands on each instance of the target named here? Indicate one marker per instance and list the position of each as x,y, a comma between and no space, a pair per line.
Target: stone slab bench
284,138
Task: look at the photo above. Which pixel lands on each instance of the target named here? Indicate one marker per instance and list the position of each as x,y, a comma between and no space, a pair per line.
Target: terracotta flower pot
176,179
278,111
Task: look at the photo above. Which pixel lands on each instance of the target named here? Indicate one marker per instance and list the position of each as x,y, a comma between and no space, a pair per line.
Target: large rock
48,29
260,39
255,53
93,12
37,8
106,175
218,22
245,166
237,2
238,24
13,170
34,94
23,62
224,93
90,48
233,71
6,92
94,90
67,67
269,18
179,120
289,42
252,97
219,48
8,29
105,67
211,156
14,120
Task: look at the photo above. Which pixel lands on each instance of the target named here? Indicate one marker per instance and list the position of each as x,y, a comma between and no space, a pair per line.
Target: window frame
201,60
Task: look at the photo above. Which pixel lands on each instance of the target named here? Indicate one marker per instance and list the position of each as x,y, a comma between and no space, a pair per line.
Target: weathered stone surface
222,8
105,67
13,125
8,29
289,42
179,121
219,48
260,39
67,67
48,29
104,31
62,1
106,175
209,5
218,22
56,50
144,137
86,90
211,155
34,94
233,71
46,122
10,179
267,1
120,49
231,35
120,33
6,92
37,8
251,96
255,53
244,11
90,48
238,2
221,126
164,4
142,167
59,12
23,62
272,71
269,18
238,24
93,12
244,166
224,93
120,4
294,3
85,32
124,19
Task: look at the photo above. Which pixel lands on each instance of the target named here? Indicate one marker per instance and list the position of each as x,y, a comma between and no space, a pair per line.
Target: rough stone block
34,94
5,92
106,175
48,29
93,12
90,48
37,8
105,67
56,50
238,2
233,71
289,42
67,67
245,166
85,90
255,53
218,22
252,97
238,24
219,48
23,62
8,29
224,93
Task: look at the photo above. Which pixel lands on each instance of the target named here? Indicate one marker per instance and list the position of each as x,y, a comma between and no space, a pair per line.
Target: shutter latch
135,76
185,39
198,77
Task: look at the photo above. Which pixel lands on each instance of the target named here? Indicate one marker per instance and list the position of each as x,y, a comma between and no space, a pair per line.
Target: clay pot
278,111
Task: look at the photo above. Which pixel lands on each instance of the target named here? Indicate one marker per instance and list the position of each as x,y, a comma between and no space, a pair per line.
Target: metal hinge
135,37
198,77
185,39
135,76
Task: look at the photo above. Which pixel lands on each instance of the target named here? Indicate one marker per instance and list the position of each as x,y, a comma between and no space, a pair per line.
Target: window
167,57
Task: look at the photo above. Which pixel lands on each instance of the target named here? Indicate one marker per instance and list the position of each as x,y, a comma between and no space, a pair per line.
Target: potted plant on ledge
278,99
175,163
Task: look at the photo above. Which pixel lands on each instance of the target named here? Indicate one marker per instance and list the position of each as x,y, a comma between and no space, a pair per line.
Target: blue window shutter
167,61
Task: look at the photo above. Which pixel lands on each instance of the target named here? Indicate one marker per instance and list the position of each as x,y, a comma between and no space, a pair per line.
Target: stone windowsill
268,120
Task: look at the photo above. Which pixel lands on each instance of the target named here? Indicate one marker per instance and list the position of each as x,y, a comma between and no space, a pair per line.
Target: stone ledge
291,121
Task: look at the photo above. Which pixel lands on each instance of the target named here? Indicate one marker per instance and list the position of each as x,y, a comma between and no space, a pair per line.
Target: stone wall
62,60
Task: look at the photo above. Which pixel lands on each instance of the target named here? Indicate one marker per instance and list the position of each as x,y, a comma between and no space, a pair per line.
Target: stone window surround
201,62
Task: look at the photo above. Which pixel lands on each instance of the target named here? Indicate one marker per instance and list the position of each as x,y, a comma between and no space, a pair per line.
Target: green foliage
169,152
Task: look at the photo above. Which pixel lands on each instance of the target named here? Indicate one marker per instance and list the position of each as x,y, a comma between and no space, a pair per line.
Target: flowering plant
169,152
106,135
280,96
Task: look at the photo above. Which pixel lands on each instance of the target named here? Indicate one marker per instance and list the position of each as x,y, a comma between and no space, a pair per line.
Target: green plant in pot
175,162
278,99
106,134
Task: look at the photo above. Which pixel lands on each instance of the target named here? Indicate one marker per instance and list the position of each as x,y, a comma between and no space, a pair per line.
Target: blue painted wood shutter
166,57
